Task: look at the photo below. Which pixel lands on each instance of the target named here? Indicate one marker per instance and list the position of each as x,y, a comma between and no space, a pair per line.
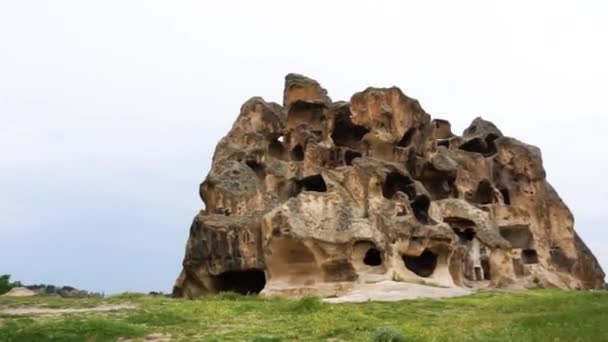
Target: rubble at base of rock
314,196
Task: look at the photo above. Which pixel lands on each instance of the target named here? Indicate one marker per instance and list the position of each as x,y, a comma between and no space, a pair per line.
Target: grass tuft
229,295
307,304
266,339
387,335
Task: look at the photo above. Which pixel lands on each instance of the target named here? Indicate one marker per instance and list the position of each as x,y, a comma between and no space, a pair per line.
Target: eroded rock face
314,195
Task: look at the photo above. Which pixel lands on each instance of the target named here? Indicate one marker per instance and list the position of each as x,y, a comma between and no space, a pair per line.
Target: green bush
5,283
387,335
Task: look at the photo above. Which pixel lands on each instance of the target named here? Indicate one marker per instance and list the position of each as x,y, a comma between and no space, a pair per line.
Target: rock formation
314,196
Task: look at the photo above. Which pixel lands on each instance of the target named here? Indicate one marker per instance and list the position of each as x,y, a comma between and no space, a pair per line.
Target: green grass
539,315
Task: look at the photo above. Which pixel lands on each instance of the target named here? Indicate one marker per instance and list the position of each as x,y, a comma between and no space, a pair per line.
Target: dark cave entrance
467,234
373,257
420,206
406,140
484,193
478,145
257,168
312,183
485,265
276,149
243,282
505,196
423,265
440,187
346,133
349,156
529,256
298,153
397,182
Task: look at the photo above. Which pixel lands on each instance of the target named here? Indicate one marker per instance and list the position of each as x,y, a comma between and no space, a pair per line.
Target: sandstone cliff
315,195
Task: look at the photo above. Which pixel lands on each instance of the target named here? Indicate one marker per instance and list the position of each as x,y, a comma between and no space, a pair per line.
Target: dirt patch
51,311
20,292
390,291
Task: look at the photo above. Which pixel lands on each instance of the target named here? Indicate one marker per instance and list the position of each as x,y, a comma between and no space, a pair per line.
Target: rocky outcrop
314,196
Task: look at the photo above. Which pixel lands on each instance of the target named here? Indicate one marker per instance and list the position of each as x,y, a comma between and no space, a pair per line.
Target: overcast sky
110,110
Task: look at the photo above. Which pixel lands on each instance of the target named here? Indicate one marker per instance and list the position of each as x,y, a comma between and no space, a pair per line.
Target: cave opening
505,196
346,133
373,257
474,145
406,140
467,234
244,282
529,256
464,228
484,193
420,207
478,145
519,236
443,142
276,149
485,265
349,156
312,183
397,182
440,187
423,265
306,113
297,153
257,168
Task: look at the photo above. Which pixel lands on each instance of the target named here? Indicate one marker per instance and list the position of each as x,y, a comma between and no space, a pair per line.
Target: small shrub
5,284
387,335
306,304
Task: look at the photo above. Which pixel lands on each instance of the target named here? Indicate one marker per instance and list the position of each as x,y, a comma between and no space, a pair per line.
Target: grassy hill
539,315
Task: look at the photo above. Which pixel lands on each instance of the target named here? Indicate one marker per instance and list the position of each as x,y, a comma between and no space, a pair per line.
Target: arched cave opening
373,257
505,196
529,256
397,182
346,133
297,153
406,140
244,282
258,168
420,206
312,183
423,265
349,156
484,193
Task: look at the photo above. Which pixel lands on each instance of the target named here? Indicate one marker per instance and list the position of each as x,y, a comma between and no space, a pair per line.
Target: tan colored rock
320,197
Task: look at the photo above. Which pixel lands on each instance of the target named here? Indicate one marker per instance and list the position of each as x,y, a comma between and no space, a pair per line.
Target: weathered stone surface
315,196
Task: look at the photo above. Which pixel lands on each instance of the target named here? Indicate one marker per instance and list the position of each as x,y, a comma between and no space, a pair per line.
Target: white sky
110,110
